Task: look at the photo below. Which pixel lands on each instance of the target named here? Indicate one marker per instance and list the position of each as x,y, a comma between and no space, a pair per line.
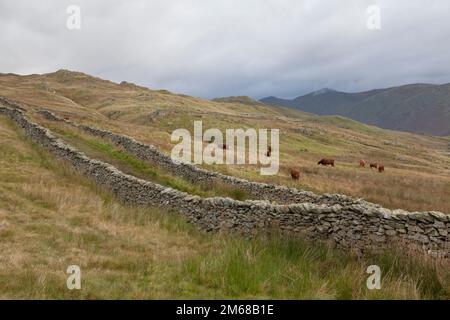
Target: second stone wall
255,190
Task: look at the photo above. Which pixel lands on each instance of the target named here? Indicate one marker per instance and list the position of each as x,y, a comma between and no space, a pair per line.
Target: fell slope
417,173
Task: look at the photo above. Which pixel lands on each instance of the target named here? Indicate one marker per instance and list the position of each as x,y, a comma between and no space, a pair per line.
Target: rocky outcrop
357,225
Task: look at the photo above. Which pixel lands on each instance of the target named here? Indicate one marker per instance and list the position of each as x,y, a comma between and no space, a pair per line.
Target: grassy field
51,217
411,187
417,175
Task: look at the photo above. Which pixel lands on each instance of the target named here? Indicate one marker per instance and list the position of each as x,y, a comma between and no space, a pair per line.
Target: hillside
52,216
417,166
421,108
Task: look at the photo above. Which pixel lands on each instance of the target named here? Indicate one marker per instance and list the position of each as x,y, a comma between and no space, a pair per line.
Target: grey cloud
228,47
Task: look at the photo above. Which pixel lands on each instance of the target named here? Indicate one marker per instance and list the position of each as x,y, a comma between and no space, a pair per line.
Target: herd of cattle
295,173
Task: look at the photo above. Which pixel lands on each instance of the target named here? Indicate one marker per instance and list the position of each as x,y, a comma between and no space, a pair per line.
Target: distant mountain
421,108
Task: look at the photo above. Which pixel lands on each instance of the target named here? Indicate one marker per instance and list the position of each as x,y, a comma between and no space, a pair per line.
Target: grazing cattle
326,162
295,174
362,163
380,168
373,165
269,151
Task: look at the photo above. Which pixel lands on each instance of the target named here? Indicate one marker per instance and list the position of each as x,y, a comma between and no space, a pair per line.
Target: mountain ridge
418,107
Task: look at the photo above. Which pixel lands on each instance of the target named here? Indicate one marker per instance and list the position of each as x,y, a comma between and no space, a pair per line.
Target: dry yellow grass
50,218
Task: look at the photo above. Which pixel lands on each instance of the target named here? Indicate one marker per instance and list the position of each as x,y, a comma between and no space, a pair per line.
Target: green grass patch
293,268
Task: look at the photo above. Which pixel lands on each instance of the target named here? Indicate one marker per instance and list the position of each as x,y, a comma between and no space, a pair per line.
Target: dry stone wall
360,226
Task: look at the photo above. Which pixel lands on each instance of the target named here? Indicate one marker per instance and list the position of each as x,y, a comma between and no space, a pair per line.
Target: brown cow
269,151
373,165
326,162
295,174
380,168
362,163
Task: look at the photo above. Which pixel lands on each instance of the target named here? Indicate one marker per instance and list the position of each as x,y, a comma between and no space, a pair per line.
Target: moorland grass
147,253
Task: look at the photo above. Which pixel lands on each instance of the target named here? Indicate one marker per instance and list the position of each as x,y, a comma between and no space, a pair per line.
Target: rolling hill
420,108
51,216
417,165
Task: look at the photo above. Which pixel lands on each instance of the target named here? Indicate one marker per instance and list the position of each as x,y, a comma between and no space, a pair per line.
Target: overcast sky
212,48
